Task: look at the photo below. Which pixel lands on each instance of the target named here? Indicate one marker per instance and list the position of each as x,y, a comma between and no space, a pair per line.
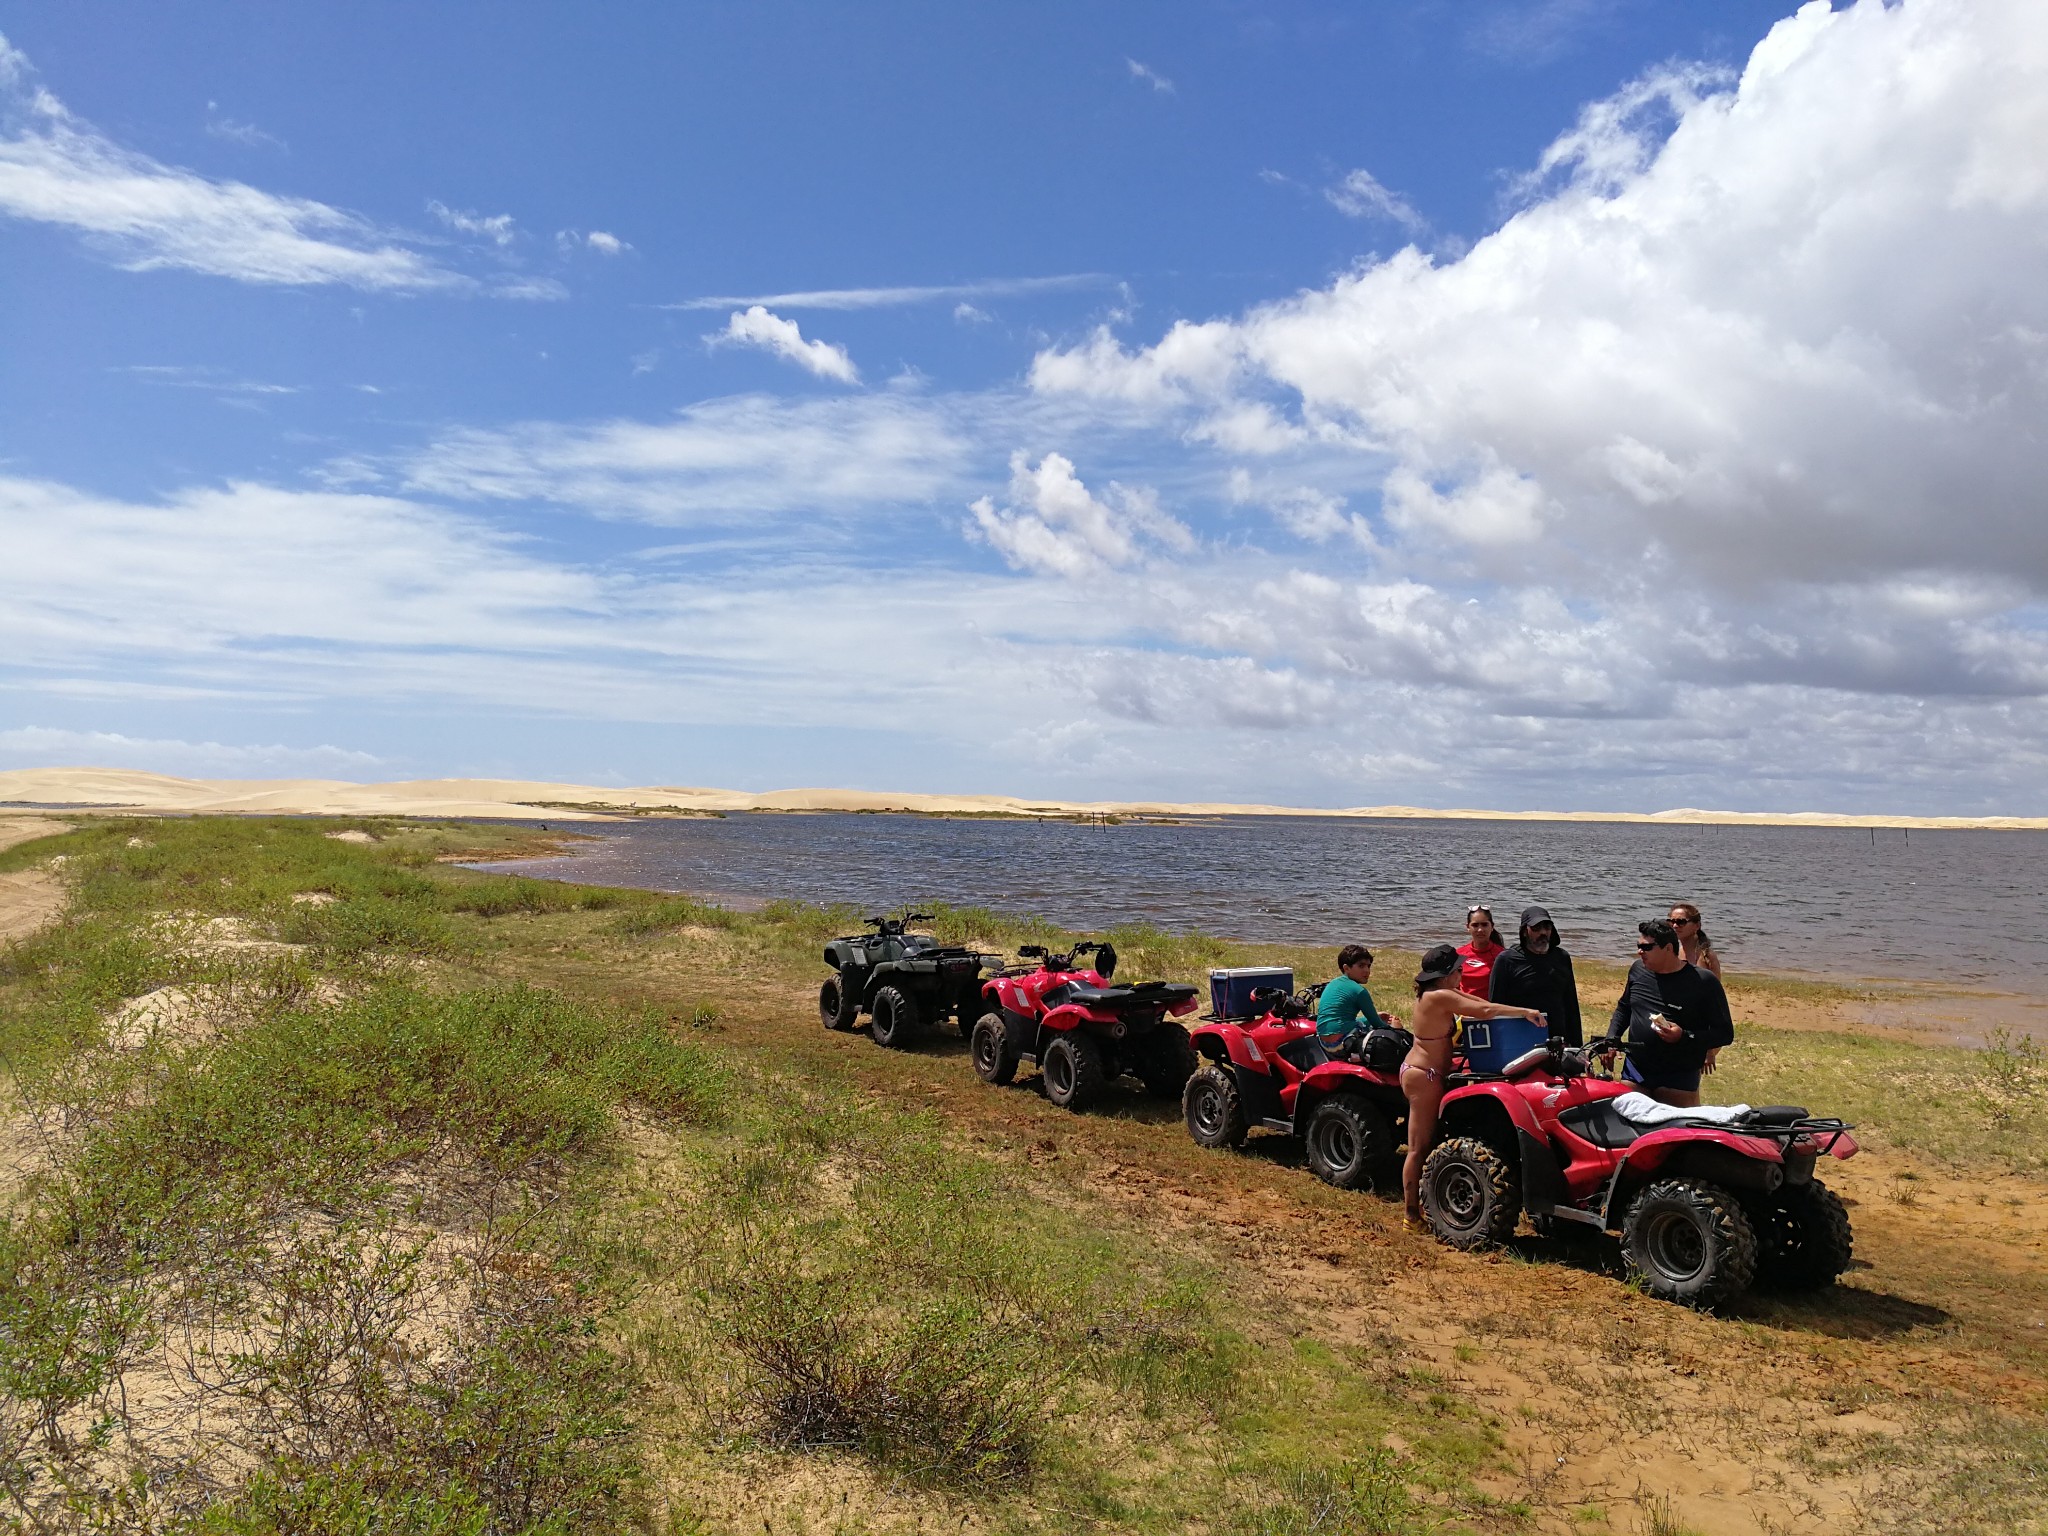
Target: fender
1070,1016
1229,1042
1519,1112
1186,1006
1727,1158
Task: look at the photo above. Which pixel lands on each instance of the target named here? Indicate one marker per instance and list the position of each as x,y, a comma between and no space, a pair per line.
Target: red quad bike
1081,1031
1272,1072
1705,1209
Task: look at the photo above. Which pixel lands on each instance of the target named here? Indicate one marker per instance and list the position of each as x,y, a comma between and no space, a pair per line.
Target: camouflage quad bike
904,981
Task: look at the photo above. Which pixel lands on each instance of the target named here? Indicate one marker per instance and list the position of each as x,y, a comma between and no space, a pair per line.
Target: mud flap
1542,1180
1259,1095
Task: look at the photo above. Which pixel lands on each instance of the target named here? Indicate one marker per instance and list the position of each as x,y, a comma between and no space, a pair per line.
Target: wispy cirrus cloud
1150,76
885,298
498,228
1362,195
56,169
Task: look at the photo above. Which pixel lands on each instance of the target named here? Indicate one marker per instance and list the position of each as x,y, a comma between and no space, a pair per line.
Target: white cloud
720,461
889,298
1796,339
498,228
1059,528
605,244
967,314
1361,196
248,135
1150,76
1303,510
35,746
143,215
759,327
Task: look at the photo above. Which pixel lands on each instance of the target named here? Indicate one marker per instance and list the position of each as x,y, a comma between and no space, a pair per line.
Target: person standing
1673,1015
1477,954
1536,972
1693,942
1434,1023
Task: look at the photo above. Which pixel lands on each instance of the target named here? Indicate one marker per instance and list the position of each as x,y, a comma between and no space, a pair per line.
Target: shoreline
117,791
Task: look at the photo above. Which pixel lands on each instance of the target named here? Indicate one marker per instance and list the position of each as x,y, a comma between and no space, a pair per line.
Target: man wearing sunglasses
1674,1016
1536,972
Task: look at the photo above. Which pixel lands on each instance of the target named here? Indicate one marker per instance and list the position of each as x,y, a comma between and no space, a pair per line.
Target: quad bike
1274,1073
904,981
1082,1032
1705,1208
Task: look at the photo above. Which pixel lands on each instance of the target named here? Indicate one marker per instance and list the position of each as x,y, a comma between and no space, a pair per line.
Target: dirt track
31,897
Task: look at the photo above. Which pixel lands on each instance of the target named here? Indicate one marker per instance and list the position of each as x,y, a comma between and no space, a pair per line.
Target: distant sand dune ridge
519,799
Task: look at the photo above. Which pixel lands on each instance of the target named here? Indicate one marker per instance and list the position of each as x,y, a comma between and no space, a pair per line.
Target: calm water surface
1961,907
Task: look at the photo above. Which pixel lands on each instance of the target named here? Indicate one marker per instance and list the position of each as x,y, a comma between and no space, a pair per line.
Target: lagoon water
1960,907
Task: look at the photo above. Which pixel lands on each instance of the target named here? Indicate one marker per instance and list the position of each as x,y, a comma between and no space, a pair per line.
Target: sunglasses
1646,945
1684,922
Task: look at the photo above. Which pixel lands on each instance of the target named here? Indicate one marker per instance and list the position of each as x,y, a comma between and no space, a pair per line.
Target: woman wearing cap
1693,942
1477,954
1434,1022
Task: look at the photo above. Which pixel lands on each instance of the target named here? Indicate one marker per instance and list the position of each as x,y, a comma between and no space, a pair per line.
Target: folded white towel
1641,1109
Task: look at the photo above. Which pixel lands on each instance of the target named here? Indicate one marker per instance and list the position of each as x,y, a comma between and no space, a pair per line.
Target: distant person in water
1693,942
1477,954
1536,972
1346,1009
1674,1017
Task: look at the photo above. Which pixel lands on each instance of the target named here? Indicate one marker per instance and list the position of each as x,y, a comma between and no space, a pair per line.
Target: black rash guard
1688,997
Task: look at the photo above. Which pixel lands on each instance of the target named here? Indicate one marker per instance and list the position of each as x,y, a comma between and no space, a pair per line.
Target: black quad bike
905,982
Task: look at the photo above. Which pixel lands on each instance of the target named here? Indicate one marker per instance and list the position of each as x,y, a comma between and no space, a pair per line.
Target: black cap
1531,916
1440,962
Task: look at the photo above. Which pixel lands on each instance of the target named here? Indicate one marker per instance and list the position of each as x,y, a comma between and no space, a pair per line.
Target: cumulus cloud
143,215
1057,527
770,332
1793,338
605,243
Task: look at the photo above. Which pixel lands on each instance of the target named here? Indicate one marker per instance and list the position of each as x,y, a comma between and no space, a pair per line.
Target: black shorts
1676,1076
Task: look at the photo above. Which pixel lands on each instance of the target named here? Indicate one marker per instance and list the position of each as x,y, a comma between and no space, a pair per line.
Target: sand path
30,897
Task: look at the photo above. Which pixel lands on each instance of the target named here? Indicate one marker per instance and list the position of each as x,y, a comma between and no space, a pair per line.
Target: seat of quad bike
1600,1123
1087,992
1777,1114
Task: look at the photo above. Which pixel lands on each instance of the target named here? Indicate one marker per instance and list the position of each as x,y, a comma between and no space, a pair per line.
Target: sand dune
521,799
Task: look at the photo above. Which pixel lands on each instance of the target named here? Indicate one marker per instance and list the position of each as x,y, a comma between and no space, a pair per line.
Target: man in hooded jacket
1536,972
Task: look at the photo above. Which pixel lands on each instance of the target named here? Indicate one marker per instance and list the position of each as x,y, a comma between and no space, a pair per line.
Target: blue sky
1570,403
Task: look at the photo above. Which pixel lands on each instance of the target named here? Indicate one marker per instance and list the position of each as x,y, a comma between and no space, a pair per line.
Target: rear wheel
1166,1060
1212,1108
896,1018
1803,1239
1471,1194
1689,1243
1072,1066
838,1004
994,1059
1348,1139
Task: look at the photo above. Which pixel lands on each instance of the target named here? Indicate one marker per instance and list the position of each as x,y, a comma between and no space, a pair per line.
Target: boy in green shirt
1346,1008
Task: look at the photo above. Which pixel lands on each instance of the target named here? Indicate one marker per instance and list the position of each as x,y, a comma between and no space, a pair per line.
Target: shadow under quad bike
1082,1031
1272,1072
1706,1207
903,981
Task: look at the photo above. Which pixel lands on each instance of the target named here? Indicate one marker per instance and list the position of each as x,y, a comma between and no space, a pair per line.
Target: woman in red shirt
1475,959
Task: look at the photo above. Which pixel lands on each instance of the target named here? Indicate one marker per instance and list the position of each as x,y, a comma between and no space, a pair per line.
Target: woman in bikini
1438,1007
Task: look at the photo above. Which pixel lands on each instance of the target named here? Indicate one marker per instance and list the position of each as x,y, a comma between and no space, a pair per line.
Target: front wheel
1689,1243
1803,1238
1072,1067
1166,1060
1471,1194
1348,1139
896,1018
838,1004
1212,1108
995,1061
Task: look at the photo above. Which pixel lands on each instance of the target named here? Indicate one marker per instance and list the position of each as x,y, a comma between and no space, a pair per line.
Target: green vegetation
357,1192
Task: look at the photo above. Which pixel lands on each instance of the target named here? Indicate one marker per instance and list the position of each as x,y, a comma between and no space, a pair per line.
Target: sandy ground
31,897
125,789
